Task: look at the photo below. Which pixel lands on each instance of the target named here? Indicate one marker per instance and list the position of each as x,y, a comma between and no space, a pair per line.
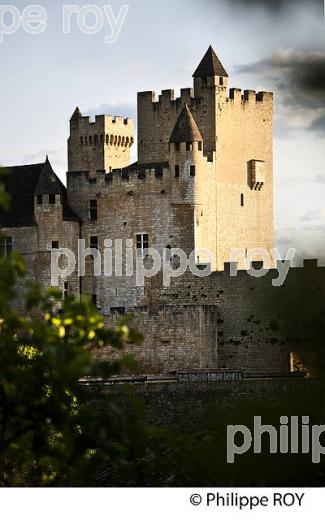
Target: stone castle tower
237,148
203,180
202,184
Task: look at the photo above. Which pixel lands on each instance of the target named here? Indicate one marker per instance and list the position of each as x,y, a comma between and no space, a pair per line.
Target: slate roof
210,66
186,129
76,115
23,183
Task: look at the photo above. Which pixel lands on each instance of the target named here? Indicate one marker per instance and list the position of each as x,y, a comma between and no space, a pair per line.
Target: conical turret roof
186,129
76,114
210,66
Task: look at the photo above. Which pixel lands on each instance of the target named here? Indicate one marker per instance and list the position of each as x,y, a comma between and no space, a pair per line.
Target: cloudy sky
274,45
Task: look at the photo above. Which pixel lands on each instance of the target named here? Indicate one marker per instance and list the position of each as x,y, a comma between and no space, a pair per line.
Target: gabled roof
23,183
186,129
48,181
210,66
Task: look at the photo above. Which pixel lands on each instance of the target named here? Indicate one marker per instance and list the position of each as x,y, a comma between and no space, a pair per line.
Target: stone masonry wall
237,322
244,213
102,144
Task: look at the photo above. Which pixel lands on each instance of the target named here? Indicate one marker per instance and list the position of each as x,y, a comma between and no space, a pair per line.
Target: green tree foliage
50,431
55,431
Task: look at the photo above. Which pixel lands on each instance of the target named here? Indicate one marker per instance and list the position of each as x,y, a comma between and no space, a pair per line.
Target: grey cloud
274,7
298,79
318,126
278,6
299,76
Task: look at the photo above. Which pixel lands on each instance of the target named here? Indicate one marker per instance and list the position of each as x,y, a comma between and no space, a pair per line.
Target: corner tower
194,189
157,118
99,145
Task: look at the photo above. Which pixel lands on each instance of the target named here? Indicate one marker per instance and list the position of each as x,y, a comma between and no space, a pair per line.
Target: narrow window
39,199
177,170
177,147
192,170
52,198
117,310
55,244
242,199
200,146
81,140
93,242
5,246
90,140
221,80
188,146
142,243
96,139
66,290
94,299
93,210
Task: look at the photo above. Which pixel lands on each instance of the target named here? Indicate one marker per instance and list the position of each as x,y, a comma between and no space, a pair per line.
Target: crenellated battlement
141,172
103,130
102,143
157,115
134,172
167,97
103,118
306,264
102,124
249,96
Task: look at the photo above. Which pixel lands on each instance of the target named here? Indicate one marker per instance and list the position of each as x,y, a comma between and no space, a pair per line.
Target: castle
203,181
